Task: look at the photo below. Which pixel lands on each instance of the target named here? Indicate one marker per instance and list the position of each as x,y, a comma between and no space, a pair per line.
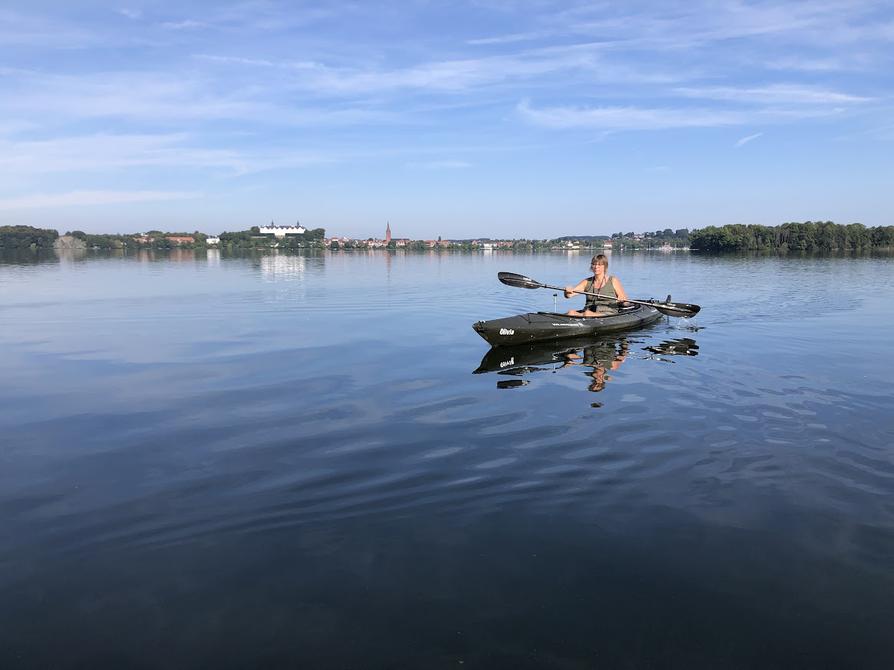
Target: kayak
544,326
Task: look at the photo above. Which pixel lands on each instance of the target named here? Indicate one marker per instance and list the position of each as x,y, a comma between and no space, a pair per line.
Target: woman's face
597,268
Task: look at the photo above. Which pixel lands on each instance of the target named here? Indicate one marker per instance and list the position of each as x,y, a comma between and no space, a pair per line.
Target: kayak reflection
598,357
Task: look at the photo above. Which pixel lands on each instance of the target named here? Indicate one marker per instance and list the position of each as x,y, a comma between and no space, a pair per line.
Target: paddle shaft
599,295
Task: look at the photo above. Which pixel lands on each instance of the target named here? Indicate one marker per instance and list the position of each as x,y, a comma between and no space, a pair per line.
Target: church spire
387,232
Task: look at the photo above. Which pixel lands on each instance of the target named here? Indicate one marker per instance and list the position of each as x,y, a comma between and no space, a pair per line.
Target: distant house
280,232
212,240
607,244
180,239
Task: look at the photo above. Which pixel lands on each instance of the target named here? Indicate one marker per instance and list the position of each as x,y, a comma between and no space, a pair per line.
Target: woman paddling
601,282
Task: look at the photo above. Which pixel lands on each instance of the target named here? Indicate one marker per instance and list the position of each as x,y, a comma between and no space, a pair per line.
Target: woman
601,282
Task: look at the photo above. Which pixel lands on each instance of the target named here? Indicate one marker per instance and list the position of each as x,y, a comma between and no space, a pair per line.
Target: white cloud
81,198
748,138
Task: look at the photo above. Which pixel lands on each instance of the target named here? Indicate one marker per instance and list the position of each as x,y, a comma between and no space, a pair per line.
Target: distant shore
807,236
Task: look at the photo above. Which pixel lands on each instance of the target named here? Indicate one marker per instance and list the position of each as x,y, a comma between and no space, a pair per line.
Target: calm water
287,461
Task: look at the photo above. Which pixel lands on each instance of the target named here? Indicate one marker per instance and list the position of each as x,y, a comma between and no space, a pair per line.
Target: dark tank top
593,303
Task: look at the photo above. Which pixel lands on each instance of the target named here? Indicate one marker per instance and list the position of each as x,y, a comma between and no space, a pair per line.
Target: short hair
600,259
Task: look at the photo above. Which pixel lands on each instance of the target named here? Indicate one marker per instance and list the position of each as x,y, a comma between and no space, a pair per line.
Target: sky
481,118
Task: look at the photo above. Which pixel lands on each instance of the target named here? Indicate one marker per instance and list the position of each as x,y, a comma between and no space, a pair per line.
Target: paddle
667,307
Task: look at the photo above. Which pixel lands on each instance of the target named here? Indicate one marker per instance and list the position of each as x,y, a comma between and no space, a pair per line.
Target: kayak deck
543,326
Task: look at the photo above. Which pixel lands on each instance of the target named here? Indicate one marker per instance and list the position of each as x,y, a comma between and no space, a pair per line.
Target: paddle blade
681,309
518,281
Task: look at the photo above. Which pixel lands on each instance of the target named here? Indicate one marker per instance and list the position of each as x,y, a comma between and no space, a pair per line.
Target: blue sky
485,118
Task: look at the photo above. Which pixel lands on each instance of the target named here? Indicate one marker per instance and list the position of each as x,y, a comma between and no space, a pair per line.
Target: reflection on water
599,357
278,267
684,346
596,358
27,257
512,383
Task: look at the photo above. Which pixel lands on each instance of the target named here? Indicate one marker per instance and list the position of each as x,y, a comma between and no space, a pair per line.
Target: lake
290,461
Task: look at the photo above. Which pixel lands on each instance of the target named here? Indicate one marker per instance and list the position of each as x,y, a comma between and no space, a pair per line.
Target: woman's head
599,260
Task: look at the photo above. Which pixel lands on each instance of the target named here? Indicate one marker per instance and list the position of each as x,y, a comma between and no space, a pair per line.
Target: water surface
289,461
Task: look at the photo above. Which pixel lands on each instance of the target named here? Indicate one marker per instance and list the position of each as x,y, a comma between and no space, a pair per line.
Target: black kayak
544,326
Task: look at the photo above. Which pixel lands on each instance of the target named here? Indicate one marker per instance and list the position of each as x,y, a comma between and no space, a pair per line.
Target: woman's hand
569,291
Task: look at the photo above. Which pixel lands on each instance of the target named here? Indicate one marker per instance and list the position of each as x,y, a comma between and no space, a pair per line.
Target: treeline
252,239
652,240
154,239
26,237
807,236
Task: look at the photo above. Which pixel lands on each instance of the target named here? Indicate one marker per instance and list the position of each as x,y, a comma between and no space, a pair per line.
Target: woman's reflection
601,358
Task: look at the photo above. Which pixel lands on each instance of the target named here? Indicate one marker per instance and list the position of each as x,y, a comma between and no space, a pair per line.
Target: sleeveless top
593,303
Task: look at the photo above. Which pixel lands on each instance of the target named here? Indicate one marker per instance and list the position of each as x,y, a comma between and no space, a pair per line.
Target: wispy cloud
627,118
91,153
748,138
619,118
258,16
13,127
775,94
160,97
187,24
29,30
82,198
458,75
440,165
130,13
507,39
702,23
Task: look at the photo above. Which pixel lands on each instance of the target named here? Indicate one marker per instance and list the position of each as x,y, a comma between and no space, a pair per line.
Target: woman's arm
570,290
619,290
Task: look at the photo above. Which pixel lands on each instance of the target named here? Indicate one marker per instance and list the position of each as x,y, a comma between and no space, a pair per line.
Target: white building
212,240
281,231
